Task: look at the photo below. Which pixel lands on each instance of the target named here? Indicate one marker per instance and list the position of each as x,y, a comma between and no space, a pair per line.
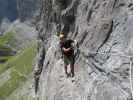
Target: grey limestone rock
99,26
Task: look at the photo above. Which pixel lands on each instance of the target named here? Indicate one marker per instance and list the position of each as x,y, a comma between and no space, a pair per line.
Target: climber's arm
66,50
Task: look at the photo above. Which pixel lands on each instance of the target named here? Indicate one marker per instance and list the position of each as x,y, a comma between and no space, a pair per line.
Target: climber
67,53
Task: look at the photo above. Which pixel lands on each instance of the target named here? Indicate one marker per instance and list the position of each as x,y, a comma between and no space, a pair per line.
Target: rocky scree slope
98,26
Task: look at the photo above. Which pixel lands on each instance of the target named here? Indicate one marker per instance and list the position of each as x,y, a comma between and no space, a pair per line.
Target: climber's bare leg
65,67
72,69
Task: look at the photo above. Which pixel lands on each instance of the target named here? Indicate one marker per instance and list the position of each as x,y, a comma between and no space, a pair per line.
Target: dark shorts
68,60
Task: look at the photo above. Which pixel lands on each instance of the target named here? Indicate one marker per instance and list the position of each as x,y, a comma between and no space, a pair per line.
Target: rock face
27,9
98,26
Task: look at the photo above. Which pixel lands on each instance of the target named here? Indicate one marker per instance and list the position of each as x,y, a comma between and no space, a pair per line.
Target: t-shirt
67,44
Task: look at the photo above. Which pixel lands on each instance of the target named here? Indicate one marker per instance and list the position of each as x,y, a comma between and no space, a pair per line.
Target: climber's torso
67,44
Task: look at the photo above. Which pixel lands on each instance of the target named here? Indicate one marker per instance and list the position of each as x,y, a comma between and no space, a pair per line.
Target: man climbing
67,53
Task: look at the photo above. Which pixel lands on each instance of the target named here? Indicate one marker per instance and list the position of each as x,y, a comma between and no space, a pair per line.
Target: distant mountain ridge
11,10
8,9
22,9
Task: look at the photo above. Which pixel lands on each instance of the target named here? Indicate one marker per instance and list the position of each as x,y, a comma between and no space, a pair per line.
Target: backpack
76,49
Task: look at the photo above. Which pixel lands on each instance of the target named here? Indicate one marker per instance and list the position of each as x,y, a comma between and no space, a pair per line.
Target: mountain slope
17,55
21,66
18,9
16,38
